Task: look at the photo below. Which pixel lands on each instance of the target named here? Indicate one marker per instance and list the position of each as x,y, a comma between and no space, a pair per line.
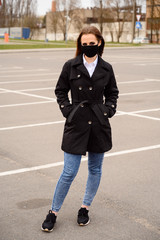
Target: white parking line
28,81
3,91
139,111
30,90
147,63
137,93
153,79
17,67
144,116
147,110
36,168
27,94
138,115
138,81
136,62
36,89
47,98
48,80
120,113
31,125
26,104
139,64
28,75
9,68
23,70
133,57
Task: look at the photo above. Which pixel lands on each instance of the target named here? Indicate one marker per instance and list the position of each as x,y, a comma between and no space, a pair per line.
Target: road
126,206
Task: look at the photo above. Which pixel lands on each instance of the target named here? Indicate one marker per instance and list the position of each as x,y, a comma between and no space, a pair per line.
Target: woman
94,96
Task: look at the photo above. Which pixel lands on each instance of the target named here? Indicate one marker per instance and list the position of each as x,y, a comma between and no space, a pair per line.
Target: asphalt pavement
126,206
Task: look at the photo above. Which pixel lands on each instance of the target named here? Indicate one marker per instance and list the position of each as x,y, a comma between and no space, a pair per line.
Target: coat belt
89,102
93,104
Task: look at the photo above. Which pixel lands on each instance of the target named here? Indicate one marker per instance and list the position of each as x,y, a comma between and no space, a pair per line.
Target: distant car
141,40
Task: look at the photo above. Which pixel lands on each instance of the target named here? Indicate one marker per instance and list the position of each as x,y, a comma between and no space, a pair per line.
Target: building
114,22
153,20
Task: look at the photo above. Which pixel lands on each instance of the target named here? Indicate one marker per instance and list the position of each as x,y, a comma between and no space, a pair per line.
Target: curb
35,50
71,49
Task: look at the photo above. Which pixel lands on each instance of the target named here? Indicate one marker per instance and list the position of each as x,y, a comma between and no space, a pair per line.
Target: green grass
113,44
13,46
35,44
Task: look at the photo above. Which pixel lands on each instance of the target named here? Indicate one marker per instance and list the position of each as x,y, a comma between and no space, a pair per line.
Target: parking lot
126,206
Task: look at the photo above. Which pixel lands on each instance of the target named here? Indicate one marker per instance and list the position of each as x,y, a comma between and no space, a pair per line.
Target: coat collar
100,69
78,63
79,60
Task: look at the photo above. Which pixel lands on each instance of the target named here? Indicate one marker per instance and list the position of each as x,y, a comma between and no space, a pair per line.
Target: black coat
93,101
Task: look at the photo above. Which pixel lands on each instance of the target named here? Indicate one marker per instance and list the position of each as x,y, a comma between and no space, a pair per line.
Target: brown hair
90,30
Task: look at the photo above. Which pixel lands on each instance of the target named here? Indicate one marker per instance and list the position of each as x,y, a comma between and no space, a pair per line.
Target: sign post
138,23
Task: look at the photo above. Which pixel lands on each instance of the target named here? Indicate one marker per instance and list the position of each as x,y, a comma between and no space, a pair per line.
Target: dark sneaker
83,218
48,224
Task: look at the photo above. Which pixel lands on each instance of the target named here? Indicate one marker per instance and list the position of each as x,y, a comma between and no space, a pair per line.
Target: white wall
72,35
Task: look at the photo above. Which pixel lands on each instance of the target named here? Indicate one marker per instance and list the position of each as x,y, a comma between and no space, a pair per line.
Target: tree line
113,13
153,21
18,13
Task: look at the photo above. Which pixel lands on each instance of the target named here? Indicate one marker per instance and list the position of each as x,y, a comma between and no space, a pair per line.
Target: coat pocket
75,112
66,110
104,110
101,113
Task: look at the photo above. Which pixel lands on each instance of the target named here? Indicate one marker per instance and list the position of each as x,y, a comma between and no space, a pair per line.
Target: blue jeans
71,166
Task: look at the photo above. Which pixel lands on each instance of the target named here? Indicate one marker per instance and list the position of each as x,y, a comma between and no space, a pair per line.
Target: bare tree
120,13
17,10
114,13
111,30
65,10
100,8
2,13
31,22
78,20
154,18
53,22
157,25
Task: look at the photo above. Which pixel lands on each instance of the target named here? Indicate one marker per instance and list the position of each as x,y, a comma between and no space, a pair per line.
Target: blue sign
138,25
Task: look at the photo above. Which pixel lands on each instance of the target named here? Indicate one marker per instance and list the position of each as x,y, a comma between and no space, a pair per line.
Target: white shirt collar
90,64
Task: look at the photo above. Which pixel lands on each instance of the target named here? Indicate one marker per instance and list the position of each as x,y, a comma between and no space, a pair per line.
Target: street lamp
101,17
46,40
67,18
133,19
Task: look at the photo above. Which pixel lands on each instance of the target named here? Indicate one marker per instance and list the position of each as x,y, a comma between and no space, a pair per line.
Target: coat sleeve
61,91
111,94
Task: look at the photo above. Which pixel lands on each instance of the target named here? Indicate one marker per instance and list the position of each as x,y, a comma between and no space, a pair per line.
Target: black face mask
90,51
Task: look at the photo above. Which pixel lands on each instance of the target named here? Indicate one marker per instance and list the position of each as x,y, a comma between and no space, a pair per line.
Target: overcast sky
44,6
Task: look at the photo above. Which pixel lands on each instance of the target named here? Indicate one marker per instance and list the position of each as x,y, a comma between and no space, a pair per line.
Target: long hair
90,30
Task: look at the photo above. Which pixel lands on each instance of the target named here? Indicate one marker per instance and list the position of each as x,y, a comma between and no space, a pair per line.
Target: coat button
80,88
82,105
112,106
78,76
90,88
62,106
105,114
89,122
